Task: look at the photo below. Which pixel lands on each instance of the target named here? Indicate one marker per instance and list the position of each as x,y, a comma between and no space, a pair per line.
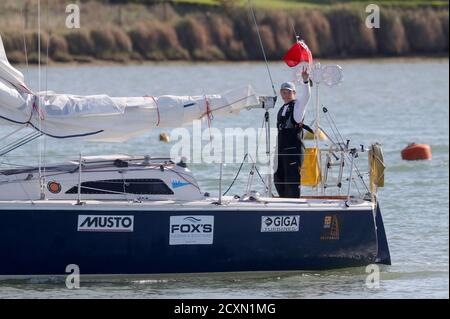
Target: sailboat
143,215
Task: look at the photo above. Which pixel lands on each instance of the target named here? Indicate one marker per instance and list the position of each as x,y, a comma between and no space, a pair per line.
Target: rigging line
329,137
347,161
11,134
47,47
260,136
257,150
17,141
262,179
48,134
297,38
39,96
15,164
237,175
24,189
46,78
261,44
357,188
340,146
334,124
334,129
255,168
16,147
328,117
23,142
211,112
24,41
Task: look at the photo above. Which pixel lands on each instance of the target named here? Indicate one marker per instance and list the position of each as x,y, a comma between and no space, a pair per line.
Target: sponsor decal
191,230
54,187
105,224
178,184
279,224
331,228
327,222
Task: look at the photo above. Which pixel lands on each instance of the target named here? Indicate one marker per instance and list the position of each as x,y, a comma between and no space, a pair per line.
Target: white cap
288,86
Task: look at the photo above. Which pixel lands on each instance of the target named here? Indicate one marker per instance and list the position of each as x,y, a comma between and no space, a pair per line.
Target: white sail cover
7,72
104,118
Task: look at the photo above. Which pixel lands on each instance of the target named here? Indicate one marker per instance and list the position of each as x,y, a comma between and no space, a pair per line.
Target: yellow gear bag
310,170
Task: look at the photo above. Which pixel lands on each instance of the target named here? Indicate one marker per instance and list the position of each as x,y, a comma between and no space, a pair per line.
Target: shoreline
368,60
138,34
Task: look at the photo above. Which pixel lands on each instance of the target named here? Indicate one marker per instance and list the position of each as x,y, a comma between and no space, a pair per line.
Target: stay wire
253,16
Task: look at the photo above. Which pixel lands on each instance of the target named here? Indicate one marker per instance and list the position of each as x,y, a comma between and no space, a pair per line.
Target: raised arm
304,95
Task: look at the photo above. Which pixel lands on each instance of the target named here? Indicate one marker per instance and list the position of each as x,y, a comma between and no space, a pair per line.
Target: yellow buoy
310,136
163,137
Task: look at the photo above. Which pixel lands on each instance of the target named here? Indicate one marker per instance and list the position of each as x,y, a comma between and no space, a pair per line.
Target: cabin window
119,186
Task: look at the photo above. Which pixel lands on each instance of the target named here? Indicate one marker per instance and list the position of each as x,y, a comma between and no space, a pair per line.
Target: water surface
394,102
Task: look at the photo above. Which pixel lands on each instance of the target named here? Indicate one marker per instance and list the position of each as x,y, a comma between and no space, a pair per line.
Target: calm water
392,102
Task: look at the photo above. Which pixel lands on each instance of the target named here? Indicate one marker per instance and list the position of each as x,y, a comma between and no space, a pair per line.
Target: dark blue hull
36,242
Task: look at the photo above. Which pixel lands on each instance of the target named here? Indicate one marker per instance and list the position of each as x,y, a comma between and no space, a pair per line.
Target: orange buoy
417,152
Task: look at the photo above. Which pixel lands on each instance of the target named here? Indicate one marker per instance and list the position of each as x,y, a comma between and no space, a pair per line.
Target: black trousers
287,175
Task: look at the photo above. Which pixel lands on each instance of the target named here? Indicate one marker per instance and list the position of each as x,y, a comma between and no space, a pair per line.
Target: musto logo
191,230
280,224
117,224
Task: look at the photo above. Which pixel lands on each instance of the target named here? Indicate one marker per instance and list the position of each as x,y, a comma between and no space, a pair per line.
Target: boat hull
45,242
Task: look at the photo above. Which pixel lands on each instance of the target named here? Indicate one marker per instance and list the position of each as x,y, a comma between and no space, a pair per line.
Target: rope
54,136
239,172
237,175
209,116
157,109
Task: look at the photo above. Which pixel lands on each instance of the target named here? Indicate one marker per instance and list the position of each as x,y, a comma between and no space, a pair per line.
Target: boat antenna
297,37
252,12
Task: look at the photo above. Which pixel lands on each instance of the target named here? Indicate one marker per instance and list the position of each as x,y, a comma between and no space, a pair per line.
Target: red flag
297,54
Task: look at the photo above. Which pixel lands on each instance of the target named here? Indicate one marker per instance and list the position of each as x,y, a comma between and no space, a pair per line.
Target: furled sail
7,72
104,118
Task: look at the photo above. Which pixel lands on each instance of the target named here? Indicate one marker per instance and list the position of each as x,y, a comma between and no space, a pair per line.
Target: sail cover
7,72
105,118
